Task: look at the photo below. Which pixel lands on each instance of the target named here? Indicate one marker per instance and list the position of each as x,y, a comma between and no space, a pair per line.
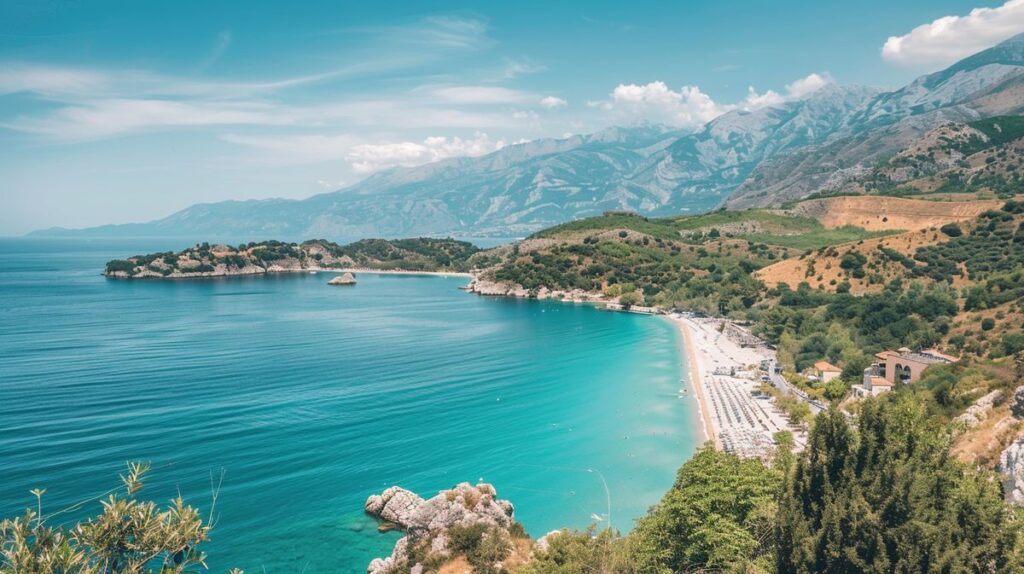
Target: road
780,382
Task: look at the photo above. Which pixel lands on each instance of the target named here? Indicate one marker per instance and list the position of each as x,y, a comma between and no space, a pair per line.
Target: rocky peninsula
204,260
467,523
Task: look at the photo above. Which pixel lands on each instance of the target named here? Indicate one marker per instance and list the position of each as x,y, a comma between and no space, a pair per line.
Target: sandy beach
725,380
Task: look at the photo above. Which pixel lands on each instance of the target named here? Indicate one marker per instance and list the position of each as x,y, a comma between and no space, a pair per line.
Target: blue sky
114,112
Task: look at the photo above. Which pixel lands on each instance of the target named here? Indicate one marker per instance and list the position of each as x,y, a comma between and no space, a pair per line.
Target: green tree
629,299
888,497
718,516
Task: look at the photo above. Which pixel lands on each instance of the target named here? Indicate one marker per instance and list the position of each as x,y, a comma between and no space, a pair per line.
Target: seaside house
906,366
826,371
874,382
900,366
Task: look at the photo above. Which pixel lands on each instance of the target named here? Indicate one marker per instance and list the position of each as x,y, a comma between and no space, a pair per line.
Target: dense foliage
996,244
719,516
885,496
882,495
667,273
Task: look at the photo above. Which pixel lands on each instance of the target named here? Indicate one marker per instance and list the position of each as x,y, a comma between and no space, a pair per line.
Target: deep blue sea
304,399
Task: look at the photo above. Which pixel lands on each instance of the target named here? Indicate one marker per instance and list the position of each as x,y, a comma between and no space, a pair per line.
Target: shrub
987,324
952,230
130,536
481,545
120,265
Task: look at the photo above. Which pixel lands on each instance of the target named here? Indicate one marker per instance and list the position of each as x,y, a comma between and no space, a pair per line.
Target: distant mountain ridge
741,159
989,83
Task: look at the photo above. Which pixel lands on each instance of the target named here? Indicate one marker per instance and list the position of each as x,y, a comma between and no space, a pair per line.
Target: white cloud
690,107
768,99
66,84
796,90
525,115
47,80
552,102
515,68
296,149
223,42
366,158
950,38
111,117
806,86
448,31
482,95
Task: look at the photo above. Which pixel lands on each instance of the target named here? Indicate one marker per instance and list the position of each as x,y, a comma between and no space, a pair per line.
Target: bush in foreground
130,536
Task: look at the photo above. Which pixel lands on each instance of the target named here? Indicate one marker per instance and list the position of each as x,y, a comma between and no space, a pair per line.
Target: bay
300,399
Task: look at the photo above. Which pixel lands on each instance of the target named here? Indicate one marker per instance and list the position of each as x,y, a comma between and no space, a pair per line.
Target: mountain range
741,159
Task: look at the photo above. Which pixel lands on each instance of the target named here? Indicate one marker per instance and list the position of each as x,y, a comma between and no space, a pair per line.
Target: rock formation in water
427,523
344,279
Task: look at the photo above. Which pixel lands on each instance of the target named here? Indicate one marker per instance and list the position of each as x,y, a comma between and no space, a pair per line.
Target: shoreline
354,270
703,411
724,363
265,272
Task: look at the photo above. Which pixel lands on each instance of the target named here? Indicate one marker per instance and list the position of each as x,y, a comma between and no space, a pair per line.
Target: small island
344,279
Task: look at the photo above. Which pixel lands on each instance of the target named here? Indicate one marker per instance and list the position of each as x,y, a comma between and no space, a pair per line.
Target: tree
629,299
718,516
952,230
889,498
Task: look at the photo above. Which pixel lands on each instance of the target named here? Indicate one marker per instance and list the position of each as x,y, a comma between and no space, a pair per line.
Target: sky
125,111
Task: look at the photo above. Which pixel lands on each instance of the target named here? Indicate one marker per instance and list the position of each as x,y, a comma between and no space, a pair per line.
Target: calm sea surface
305,398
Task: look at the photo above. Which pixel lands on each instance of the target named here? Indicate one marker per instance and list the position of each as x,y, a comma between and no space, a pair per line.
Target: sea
277,404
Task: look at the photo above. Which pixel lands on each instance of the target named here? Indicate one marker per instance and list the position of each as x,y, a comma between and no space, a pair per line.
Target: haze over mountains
740,159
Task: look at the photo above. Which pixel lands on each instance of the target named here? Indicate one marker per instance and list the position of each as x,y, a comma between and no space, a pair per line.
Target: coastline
692,361
283,271
397,272
725,362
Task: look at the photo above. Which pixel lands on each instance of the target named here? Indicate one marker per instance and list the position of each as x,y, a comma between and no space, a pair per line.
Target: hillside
990,83
695,262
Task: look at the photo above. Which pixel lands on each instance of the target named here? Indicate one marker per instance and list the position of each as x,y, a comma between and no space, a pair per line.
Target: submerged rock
345,279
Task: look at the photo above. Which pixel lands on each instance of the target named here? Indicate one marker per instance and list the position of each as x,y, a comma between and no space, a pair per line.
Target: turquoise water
307,398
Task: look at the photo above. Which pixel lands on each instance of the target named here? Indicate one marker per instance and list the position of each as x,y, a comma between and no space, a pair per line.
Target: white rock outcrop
427,521
1011,463
344,279
978,412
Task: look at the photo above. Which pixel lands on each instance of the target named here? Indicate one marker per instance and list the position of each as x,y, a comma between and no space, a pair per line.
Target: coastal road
780,382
